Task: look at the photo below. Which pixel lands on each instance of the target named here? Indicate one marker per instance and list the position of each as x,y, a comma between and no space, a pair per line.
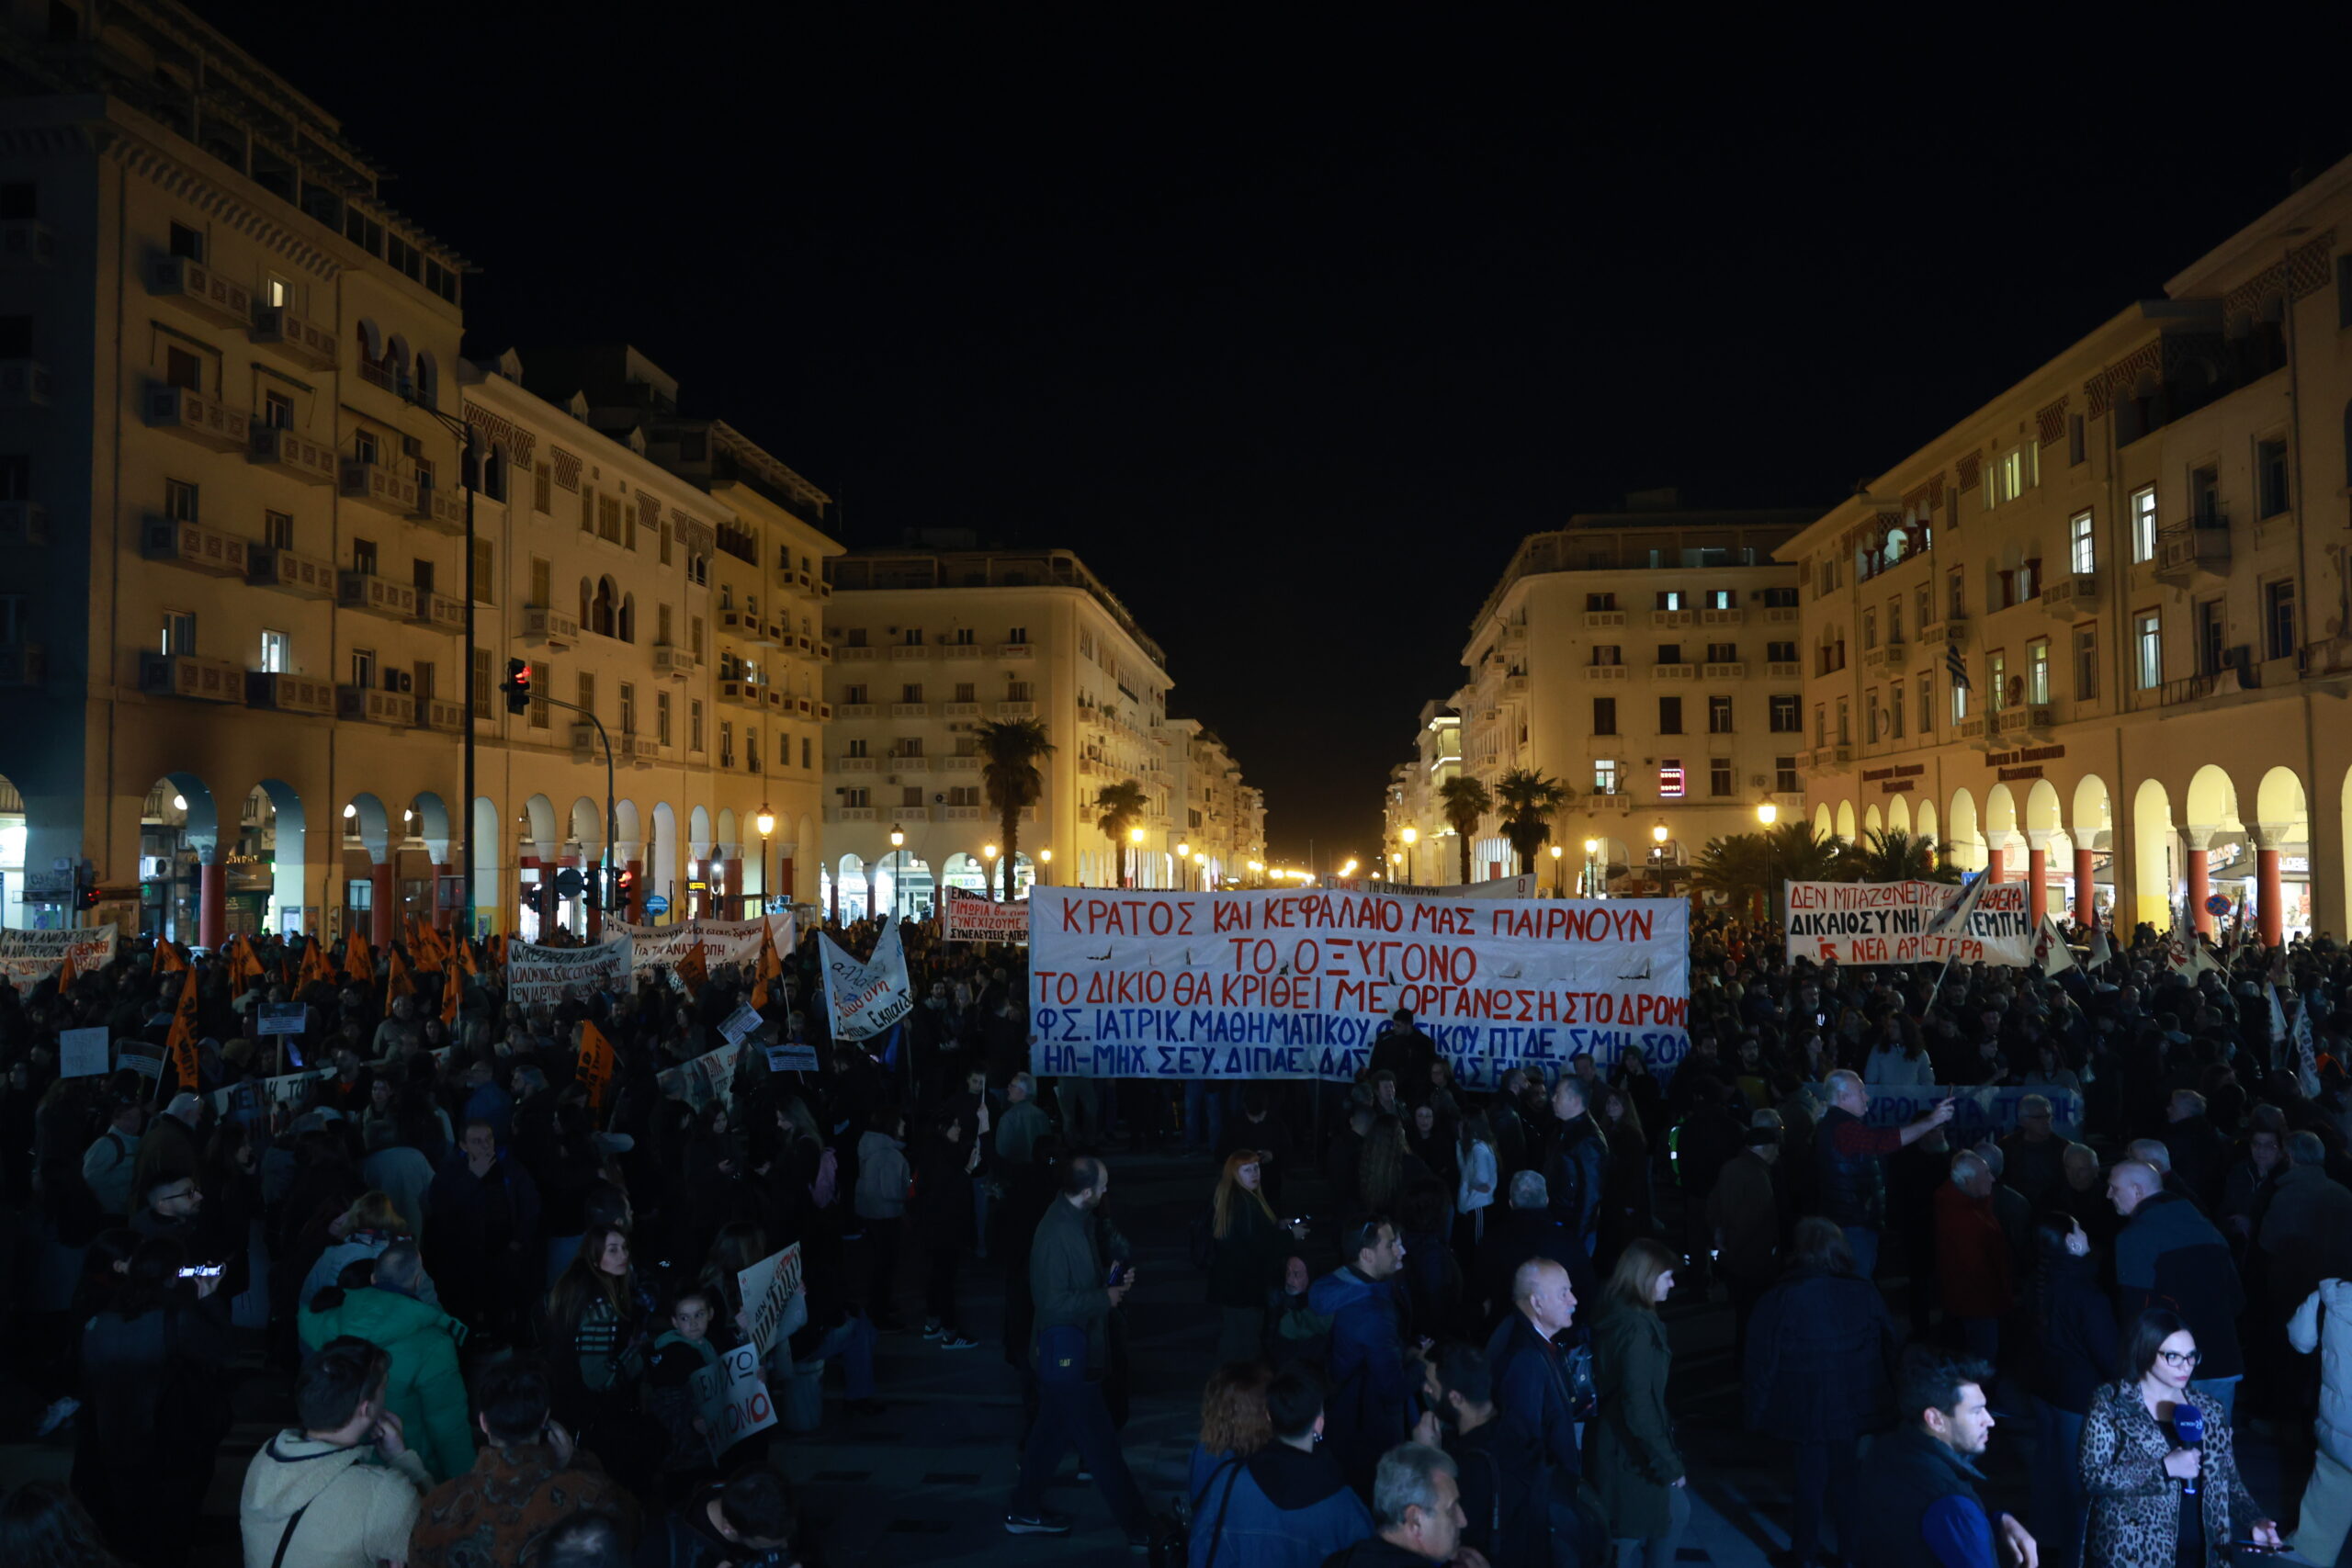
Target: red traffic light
517,684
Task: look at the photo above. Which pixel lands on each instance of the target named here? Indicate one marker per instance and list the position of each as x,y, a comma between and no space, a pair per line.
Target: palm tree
1466,803
1744,866
1115,810
1893,855
1010,751
1528,798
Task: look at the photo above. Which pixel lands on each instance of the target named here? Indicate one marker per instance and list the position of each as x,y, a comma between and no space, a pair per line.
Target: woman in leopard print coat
2133,1468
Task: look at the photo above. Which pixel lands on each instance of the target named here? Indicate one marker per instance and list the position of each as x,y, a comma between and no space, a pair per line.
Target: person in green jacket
425,1388
1629,1453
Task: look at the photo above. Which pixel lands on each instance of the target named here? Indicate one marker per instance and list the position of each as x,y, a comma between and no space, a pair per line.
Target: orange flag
431,954
66,976
167,958
397,981
180,1043
315,964
694,970
244,964
453,991
358,959
595,1069
466,956
770,966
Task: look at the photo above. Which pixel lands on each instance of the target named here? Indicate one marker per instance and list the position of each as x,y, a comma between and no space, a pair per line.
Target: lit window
2144,523
2082,549
273,653
2148,647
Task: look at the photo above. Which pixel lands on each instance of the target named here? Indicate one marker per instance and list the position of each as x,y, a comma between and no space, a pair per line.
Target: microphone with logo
2189,1425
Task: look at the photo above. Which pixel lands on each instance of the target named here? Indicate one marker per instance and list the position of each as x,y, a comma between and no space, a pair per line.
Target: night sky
1293,325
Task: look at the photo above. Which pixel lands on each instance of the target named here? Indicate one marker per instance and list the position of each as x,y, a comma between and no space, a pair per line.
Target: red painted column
636,892
212,902
384,921
731,869
2036,876
2200,887
2270,898
2085,902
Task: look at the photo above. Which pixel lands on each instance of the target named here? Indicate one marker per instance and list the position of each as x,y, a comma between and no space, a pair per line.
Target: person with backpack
341,1490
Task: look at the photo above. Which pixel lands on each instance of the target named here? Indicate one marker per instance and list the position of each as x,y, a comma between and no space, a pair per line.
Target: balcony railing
372,705
24,523
1722,616
201,289
186,675
852,652
378,596
1016,710
672,662
189,544
207,422
289,693
2184,552
1607,672
297,456
24,384
1673,617
305,577
1012,651
297,338
909,650
441,612
1732,671
543,624
1603,620
1674,672
437,510
377,485
2073,594
441,714
26,242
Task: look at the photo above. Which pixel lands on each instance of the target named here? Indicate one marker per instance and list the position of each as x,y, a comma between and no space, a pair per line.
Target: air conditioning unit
939,799
1757,781
400,681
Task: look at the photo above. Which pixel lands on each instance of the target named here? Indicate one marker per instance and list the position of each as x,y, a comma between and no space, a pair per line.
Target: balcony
2183,554
961,650
1944,628
764,634
824,651
849,814
23,523
198,548
22,664
370,704
1514,635
1970,729
804,707
305,577
374,484
775,699
959,764
437,510
186,675
201,289
736,622
2188,689
741,694
1837,756
543,623
2075,594
962,813
1781,616
857,710
1885,656
1722,617
207,422
2024,719
672,662
910,710
441,612
1514,685
297,339
441,714
852,652
909,764
909,650
376,595
857,764
1606,671
282,692
1016,710
1603,620
1735,671
586,747
1673,617
824,712
26,242
285,452
1674,672
24,384
1784,670
1012,651
824,589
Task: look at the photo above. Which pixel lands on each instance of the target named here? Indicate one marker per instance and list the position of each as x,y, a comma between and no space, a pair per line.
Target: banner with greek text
28,957
1141,984
974,917
767,1288
863,999
1979,1111
723,942
710,1077
282,1095
1895,923
735,1391
535,974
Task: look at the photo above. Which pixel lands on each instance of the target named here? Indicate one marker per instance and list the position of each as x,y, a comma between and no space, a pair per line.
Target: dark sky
1293,328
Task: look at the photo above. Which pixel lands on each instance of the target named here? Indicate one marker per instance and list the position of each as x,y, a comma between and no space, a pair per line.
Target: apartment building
1220,822
931,641
1647,659
1415,837
2092,636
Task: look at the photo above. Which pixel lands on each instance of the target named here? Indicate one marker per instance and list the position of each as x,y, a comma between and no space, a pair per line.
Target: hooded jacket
423,1388
1370,1409
1282,1507
882,1177
357,1506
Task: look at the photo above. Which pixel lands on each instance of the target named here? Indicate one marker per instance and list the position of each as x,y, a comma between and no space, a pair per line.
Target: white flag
2101,951
2052,950
2306,1059
863,999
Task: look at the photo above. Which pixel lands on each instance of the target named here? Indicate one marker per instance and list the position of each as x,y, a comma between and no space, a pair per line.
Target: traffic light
86,889
517,684
624,886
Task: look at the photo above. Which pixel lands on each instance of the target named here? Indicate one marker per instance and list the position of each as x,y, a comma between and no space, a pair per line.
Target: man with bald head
2168,1254
1852,1156
1531,1393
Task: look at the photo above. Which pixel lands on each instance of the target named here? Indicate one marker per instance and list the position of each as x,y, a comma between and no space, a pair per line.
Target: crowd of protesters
490,1271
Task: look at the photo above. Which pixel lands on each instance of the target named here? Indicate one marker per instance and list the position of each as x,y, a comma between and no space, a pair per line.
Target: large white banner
1893,923
863,999
1143,984
974,917
723,942
535,974
28,957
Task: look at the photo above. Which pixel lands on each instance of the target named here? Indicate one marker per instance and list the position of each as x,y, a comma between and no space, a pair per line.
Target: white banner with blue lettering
1139,983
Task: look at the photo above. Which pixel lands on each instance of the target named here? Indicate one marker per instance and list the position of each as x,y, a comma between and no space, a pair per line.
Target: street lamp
1184,862
898,864
766,823
1045,859
1592,868
1135,837
1767,813
1410,836
988,860
1557,890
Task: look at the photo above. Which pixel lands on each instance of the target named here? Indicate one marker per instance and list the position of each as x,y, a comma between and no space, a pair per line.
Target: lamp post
1592,868
987,866
1658,836
1201,864
766,823
1767,813
1184,863
898,864
1411,836
1559,890
1045,860
1135,837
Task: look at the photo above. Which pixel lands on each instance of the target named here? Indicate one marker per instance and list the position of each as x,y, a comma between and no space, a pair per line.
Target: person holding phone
2159,1462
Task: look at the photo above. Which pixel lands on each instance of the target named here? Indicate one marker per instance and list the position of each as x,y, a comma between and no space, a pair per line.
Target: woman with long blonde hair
1246,1248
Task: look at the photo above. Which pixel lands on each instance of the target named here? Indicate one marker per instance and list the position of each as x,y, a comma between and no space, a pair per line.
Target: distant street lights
1592,868
1559,890
1184,863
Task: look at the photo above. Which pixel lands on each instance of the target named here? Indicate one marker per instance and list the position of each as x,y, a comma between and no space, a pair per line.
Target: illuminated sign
1669,782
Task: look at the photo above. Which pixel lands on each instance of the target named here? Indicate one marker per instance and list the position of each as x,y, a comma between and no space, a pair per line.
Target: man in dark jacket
1371,1404
2197,1149
2168,1254
1074,1291
1852,1156
1417,1507
482,1246
1914,1504
2306,1234
1498,1466
1579,1154
747,1521
1531,1380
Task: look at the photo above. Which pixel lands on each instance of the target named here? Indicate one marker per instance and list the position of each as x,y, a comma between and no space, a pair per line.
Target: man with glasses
2168,1254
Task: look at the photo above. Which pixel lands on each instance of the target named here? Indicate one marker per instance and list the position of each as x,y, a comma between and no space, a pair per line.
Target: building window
2270,476
1723,653
726,742
1894,620
2077,441
694,726
1720,599
1959,702
1996,667
1786,716
1605,775
628,709
1017,636
1820,724
2086,662
2278,617
662,719
2037,671
1669,653
1669,716
1016,691
1600,601
1956,592
363,555
911,692
1870,629
858,799
183,369
2082,546
1928,705
965,636
1784,775
1604,716
542,682
1719,715
179,632
180,501
805,753
1780,652
1720,779
1671,599
967,692
912,637
908,746
187,243
1894,710
363,668
1781,598
2144,523
276,410
273,652
1925,600
1607,653
2148,645
1845,723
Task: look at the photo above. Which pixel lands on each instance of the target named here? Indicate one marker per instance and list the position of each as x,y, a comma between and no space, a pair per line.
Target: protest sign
1895,923
535,974
766,1288
142,1058
723,942
282,1094
28,957
710,1077
739,1025
863,999
596,1064
973,916
1296,984
1979,1111
792,1058
280,1017
734,1390
83,1052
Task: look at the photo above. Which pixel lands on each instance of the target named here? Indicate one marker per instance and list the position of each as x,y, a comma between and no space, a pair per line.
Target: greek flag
1957,667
